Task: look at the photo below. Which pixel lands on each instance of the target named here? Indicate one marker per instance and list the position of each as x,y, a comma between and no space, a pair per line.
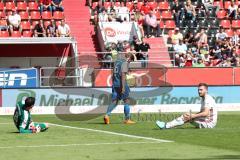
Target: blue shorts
117,94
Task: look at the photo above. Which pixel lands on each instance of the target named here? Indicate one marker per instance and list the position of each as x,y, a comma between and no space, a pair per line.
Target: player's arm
22,130
203,113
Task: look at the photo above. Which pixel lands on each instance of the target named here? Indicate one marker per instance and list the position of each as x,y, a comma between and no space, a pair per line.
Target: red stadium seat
4,34
32,6
139,5
21,6
153,4
129,5
225,24
229,32
117,4
34,23
27,34
158,15
166,15
227,4
46,15
235,24
58,15
9,6
163,6
46,23
237,3
161,24
16,34
221,14
2,14
26,25
107,5
35,15
94,5
58,23
1,6
238,31
218,3
170,24
24,15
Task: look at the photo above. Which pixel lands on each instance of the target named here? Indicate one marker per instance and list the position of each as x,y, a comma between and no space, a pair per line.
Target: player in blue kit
120,88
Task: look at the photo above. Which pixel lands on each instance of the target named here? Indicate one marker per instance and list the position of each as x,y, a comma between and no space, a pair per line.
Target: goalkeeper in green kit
22,118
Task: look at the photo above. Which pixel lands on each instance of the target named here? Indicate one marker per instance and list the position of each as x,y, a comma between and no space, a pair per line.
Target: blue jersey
120,66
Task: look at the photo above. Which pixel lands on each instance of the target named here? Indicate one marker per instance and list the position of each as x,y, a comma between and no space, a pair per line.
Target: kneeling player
22,118
206,118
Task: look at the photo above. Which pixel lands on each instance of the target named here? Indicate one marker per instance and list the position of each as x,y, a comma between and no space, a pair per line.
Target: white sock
176,122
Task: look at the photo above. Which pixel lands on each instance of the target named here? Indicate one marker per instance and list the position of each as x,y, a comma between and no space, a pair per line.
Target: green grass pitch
61,143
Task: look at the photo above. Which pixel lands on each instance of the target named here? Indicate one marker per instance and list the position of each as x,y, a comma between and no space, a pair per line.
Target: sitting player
22,118
120,88
206,118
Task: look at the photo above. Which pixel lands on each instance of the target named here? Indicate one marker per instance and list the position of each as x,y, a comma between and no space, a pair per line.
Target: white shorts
199,123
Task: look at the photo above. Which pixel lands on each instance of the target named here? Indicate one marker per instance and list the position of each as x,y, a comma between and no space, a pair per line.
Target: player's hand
187,117
123,90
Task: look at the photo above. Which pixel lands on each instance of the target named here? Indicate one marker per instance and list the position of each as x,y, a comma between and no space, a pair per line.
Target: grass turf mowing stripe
113,133
80,144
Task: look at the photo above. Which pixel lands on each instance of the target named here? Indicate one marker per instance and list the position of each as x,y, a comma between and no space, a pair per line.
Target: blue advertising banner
18,78
100,96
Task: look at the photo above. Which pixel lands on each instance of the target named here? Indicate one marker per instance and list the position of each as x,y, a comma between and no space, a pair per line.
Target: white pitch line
7,123
113,133
80,144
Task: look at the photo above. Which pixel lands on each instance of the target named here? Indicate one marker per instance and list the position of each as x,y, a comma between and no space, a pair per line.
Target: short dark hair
29,101
203,84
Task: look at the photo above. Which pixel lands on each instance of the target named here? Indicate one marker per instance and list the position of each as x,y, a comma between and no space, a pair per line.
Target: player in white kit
206,118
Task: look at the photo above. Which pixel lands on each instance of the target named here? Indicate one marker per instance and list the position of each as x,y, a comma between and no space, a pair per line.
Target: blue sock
127,111
111,108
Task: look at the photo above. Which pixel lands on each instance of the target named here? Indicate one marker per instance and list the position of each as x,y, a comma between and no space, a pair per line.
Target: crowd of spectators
196,48
11,21
144,16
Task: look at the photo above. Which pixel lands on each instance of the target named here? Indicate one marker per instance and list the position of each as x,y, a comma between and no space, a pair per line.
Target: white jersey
209,102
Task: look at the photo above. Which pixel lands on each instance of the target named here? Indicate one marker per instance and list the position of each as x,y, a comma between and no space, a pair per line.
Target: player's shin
176,122
126,111
111,108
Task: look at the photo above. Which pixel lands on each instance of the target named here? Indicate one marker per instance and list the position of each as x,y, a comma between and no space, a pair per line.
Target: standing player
206,118
120,88
22,118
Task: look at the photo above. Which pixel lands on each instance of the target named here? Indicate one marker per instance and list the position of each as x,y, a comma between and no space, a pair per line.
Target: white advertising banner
116,31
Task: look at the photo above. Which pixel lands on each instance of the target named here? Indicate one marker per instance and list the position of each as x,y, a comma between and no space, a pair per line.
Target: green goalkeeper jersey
22,118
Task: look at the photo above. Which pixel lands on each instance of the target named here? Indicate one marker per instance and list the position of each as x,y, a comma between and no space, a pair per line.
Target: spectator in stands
238,12
190,13
199,63
131,53
151,25
14,21
232,10
103,16
176,37
112,17
3,23
134,9
123,13
63,29
145,8
180,48
52,29
57,5
221,35
177,12
208,4
39,30
217,50
98,9
189,39
235,38
45,5
139,21
143,52
201,38
136,43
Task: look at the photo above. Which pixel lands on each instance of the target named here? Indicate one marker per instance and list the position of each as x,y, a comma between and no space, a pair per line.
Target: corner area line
113,133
